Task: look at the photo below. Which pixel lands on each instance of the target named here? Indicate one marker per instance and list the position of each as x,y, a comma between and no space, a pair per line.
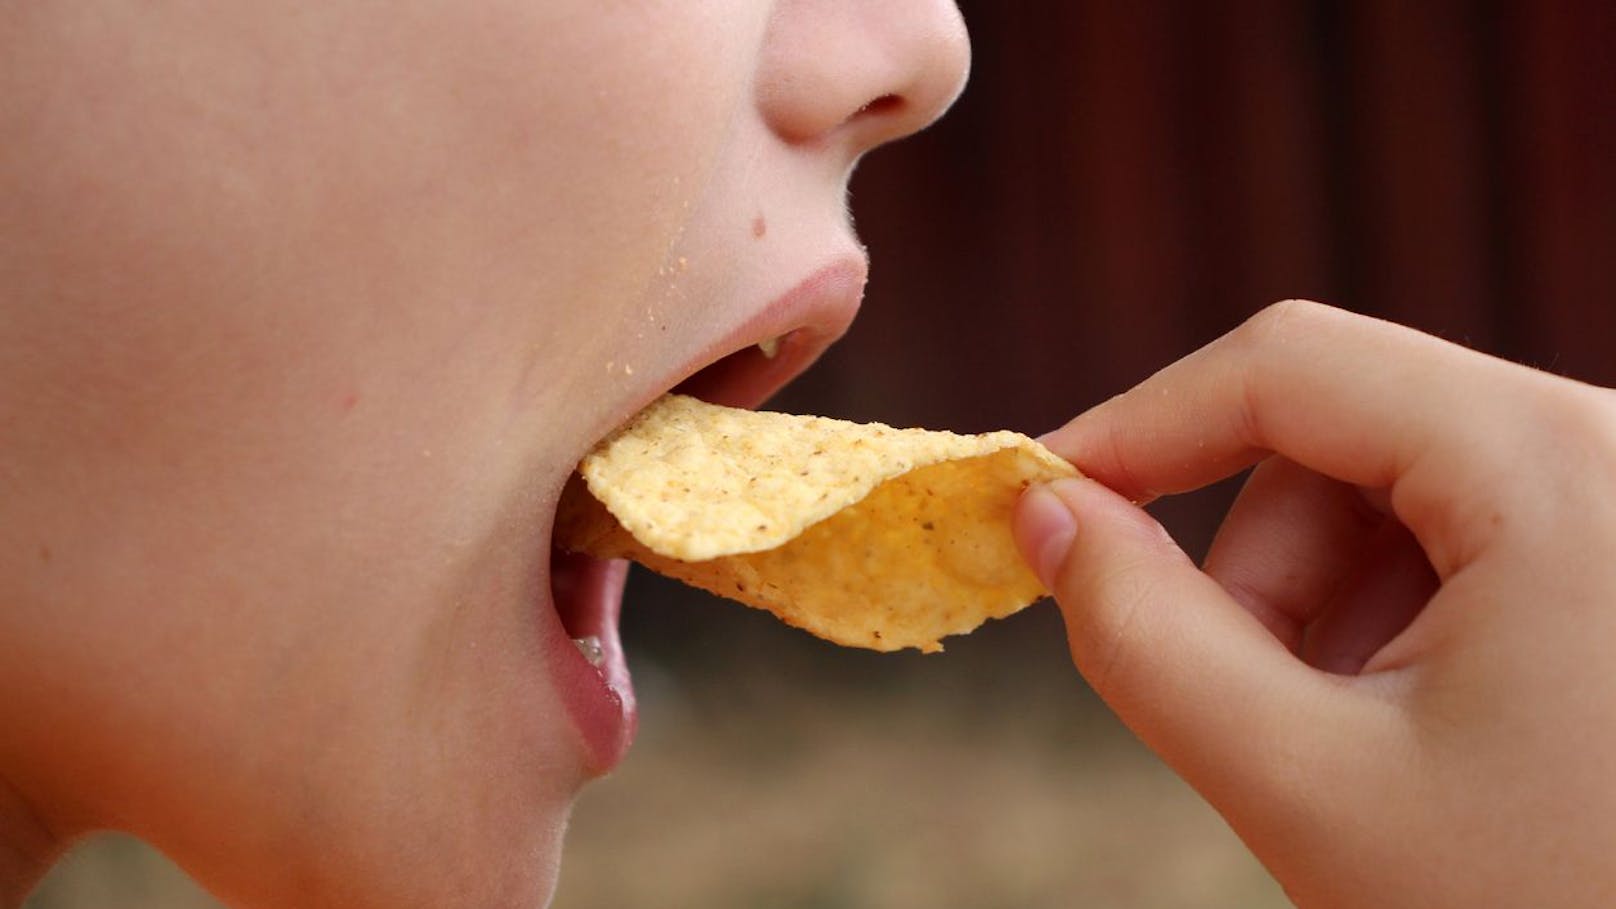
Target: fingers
1328,572
1390,587
1354,398
1363,401
1187,667
1290,540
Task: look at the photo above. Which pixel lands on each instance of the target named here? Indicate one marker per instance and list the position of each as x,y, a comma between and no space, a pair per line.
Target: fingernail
1048,528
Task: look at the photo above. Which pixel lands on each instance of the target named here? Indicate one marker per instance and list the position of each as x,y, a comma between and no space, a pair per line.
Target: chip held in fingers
864,535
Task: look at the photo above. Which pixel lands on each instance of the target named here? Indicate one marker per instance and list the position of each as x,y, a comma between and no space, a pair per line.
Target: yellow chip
865,535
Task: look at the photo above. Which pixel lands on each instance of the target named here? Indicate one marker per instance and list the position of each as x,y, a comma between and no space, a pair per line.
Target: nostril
886,104
882,70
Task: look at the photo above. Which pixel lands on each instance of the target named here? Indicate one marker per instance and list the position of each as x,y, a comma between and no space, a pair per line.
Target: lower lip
599,701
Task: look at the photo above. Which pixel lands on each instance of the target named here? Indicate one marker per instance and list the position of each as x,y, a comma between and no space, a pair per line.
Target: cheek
618,129
296,310
420,198
297,304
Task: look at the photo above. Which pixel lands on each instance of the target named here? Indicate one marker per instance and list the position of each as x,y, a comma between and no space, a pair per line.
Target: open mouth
749,376
742,369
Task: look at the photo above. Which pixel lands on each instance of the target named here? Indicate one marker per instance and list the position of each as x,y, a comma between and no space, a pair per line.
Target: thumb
1193,674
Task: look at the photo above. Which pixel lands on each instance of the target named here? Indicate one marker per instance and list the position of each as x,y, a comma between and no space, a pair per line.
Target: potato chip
865,535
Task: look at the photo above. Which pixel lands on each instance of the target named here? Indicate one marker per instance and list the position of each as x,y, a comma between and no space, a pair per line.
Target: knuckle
1605,408
1277,321
1257,351
1563,444
1576,418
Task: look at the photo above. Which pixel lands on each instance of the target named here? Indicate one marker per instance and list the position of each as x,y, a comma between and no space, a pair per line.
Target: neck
27,847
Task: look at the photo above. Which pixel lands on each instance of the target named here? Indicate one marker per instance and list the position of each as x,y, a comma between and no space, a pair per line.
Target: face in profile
309,314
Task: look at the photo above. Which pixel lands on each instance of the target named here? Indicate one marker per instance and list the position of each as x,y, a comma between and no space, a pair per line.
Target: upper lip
808,318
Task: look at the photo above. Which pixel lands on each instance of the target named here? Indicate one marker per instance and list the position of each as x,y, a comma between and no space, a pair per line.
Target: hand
1395,676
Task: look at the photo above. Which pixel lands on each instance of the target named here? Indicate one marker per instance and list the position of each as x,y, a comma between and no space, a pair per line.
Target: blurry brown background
1121,183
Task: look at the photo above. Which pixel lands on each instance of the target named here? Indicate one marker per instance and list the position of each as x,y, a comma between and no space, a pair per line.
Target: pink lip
808,319
732,371
599,700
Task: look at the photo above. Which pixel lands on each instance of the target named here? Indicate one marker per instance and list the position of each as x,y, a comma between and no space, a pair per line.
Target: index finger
1358,399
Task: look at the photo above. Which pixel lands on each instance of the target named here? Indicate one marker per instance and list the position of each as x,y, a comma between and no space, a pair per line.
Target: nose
858,73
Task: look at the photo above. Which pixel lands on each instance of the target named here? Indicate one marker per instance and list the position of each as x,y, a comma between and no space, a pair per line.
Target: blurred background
1121,183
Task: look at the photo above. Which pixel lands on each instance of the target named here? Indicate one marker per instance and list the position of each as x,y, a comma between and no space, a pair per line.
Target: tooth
591,649
770,347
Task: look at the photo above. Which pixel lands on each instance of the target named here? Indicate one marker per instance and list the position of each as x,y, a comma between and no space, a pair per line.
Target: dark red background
1123,181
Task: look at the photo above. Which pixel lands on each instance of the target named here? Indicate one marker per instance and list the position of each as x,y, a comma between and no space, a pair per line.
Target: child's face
311,310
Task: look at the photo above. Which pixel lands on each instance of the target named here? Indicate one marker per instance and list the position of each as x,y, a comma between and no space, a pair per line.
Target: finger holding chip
862,534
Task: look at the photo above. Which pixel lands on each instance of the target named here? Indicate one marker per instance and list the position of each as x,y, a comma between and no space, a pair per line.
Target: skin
1392,674
304,317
